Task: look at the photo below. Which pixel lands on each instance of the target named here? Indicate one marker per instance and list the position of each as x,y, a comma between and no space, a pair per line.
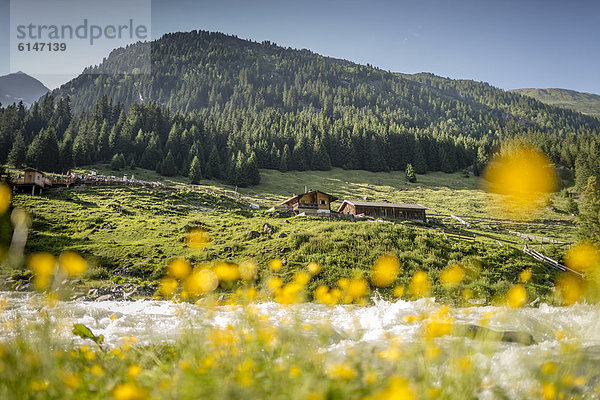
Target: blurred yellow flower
548,391
275,264
342,371
397,388
274,283
226,272
314,268
582,256
248,271
197,239
133,371
179,268
385,271
440,324
128,391
570,288
201,281
357,288
97,370
295,371
516,296
71,381
398,291
522,175
525,275
419,284
301,278
452,275
167,287
42,265
548,368
72,263
5,197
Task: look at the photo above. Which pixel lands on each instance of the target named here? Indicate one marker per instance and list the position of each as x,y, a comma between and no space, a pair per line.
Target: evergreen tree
252,170
169,168
410,173
285,159
18,152
43,151
589,213
116,163
195,171
213,165
320,158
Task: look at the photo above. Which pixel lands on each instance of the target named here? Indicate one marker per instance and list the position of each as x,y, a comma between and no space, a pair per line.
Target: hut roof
298,196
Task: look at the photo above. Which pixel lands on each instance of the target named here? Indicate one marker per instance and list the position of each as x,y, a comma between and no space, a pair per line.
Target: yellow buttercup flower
275,264
525,275
516,296
582,257
43,266
357,288
570,288
179,268
226,272
523,176
128,391
385,271
419,284
248,271
5,197
452,275
201,281
314,268
72,263
167,287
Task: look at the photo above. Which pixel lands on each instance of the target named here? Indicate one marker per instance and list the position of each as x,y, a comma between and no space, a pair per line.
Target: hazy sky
508,43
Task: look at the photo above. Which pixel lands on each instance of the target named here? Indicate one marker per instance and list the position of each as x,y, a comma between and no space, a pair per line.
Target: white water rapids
157,321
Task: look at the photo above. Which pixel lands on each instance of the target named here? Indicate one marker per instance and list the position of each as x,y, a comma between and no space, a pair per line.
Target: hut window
323,202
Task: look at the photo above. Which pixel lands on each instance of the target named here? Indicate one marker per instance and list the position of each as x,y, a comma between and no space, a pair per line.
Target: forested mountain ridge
217,106
585,103
198,70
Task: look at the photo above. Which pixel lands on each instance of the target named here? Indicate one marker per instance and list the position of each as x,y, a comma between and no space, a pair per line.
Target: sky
509,43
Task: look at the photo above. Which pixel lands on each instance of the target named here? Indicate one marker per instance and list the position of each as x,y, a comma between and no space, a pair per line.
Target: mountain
585,103
20,87
202,70
229,106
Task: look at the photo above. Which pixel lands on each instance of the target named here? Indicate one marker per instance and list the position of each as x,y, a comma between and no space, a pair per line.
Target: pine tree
43,151
589,212
213,165
115,163
252,170
195,171
169,168
320,158
410,173
18,152
285,159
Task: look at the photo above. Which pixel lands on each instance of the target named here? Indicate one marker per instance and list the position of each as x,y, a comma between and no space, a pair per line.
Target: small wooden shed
384,210
310,202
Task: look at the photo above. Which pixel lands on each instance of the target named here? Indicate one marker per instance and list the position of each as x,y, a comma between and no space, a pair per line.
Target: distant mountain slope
585,103
20,87
201,70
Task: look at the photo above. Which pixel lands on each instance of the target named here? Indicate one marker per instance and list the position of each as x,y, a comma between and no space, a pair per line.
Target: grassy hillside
585,103
131,233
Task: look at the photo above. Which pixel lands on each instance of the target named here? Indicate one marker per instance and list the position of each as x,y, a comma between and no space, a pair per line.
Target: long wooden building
383,210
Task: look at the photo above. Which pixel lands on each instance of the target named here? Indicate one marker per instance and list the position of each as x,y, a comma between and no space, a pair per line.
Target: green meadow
129,234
